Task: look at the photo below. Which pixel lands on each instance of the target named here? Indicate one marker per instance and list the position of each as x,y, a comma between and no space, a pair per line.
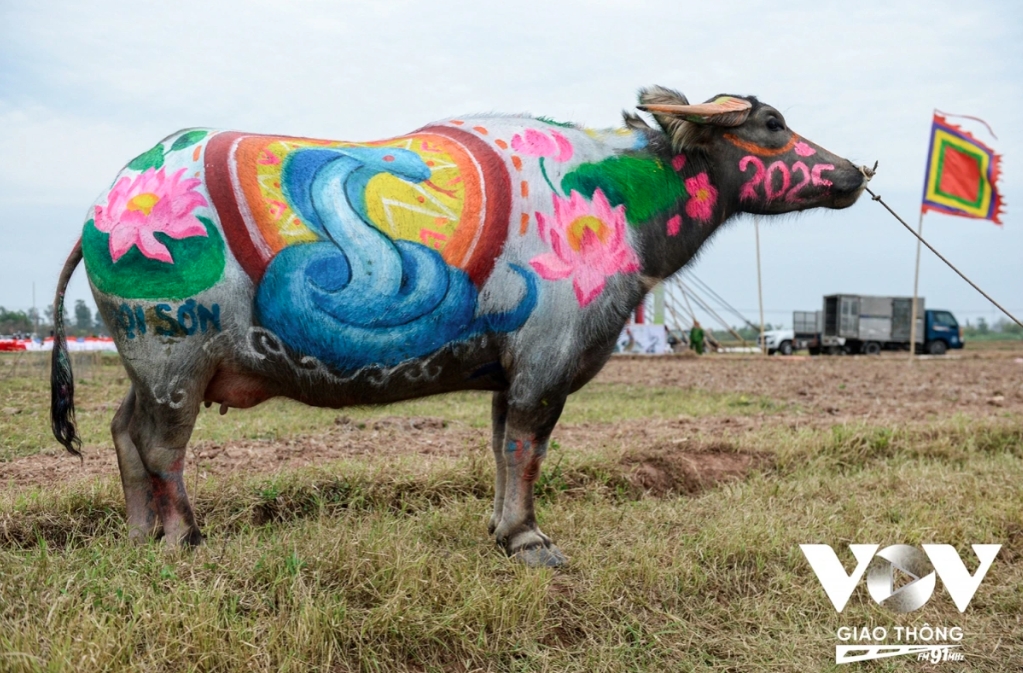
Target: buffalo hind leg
527,432
499,420
160,432
143,518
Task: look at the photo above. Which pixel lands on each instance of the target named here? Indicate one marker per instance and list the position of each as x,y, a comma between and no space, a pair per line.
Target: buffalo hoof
191,539
540,556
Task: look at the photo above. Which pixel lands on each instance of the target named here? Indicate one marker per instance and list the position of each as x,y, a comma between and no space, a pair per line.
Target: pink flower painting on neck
151,203
804,150
702,197
534,143
588,242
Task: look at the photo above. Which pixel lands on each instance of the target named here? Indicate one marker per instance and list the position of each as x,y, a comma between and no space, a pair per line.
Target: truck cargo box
806,322
864,318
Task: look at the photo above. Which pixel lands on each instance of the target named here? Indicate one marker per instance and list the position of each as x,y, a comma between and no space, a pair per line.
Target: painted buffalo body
499,253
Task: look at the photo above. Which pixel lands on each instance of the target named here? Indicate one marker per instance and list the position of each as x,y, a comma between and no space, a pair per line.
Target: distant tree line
17,322
746,332
1002,330
25,323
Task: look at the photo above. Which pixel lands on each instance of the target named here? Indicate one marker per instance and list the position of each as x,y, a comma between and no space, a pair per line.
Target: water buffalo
499,253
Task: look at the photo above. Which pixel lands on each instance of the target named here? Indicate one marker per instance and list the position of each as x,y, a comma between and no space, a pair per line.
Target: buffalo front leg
160,432
143,518
525,445
499,420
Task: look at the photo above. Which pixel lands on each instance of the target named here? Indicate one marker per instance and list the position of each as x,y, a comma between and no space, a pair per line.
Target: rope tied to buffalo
877,197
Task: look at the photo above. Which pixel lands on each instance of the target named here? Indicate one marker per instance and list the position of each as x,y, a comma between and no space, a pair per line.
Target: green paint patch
198,264
647,187
154,158
552,122
150,159
187,140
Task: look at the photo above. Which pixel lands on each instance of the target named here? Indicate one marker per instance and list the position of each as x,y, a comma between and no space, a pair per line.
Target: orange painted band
760,149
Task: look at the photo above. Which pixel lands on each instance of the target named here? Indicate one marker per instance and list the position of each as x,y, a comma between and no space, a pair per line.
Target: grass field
680,489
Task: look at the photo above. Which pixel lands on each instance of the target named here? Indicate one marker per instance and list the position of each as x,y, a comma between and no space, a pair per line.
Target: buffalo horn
724,111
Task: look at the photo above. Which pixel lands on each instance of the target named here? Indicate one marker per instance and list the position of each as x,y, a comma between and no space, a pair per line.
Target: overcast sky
86,86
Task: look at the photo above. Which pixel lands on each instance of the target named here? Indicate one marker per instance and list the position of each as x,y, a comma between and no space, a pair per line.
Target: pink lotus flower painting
535,143
588,244
151,203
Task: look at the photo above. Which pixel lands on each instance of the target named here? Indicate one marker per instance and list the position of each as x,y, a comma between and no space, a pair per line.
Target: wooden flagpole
916,271
760,291
916,284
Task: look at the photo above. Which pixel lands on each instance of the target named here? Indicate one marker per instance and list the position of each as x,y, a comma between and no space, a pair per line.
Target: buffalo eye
774,125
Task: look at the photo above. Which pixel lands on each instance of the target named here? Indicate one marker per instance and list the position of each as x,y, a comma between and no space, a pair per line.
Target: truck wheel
785,348
871,348
937,347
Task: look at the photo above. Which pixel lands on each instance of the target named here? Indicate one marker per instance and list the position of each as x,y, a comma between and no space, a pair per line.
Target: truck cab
941,332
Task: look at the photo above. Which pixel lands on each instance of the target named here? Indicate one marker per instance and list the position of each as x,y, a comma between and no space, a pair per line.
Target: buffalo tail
62,380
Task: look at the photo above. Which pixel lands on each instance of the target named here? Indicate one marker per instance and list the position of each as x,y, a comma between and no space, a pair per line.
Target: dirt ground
658,453
887,388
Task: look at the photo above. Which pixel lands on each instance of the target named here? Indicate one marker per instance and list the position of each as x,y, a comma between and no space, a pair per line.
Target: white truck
805,334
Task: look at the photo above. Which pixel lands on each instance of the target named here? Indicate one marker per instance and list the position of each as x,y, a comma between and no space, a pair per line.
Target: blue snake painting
358,298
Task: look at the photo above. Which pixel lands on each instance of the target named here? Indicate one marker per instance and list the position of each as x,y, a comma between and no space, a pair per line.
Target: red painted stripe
498,189
218,182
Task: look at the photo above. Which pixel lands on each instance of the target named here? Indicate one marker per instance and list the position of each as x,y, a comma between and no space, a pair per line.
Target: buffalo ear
634,122
654,98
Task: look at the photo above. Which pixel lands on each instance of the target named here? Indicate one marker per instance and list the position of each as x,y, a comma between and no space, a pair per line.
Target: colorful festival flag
962,174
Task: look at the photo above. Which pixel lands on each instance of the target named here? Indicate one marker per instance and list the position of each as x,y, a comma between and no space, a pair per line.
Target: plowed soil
885,388
811,392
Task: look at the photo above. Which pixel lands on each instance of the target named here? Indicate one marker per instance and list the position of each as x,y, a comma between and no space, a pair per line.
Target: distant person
696,338
630,343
